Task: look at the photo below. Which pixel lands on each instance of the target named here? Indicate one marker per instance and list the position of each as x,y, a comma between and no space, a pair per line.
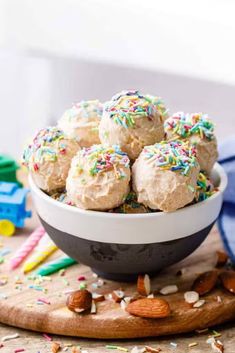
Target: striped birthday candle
26,248
44,249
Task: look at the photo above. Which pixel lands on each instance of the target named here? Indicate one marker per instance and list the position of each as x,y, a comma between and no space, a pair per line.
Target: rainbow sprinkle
205,188
127,106
45,147
186,125
84,109
159,103
172,155
104,158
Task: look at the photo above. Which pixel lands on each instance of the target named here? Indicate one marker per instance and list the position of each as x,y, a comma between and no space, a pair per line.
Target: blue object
226,221
13,203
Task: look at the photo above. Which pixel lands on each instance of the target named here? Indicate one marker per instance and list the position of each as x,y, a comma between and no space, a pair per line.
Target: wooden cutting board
19,304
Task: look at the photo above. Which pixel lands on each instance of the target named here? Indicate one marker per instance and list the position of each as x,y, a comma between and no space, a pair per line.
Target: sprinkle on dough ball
132,121
198,129
165,175
48,158
160,105
82,122
99,178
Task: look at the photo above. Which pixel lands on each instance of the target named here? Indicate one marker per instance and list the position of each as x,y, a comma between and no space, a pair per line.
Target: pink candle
26,247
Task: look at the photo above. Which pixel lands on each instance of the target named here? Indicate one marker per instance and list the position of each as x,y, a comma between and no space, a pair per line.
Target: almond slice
216,345
205,282
199,303
118,295
93,307
98,297
125,301
171,289
152,308
191,297
143,285
228,280
222,258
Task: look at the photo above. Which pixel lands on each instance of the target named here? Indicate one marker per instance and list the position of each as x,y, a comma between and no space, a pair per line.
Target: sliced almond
228,280
153,308
222,258
171,289
98,297
205,282
143,285
216,345
118,295
93,307
199,303
191,297
125,301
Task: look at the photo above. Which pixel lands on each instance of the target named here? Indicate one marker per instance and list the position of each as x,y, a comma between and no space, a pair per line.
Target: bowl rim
221,188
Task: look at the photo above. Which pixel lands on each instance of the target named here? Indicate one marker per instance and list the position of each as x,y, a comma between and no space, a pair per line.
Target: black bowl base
123,262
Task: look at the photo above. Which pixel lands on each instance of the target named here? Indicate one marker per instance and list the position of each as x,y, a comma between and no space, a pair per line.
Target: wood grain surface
20,308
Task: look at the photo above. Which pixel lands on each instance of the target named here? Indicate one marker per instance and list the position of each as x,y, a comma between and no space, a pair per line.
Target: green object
83,285
55,266
8,168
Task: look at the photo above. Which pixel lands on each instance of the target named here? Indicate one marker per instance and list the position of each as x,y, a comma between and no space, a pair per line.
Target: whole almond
152,308
228,280
205,282
79,301
222,258
144,285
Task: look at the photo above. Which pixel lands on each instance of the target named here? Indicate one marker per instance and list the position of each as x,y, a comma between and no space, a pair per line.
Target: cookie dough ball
131,205
165,175
131,121
199,131
99,178
160,105
48,158
82,122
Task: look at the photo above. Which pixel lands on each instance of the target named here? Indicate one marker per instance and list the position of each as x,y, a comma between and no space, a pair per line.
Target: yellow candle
45,248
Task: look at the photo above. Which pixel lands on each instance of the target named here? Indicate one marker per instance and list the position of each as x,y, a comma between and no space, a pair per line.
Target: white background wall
190,37
57,51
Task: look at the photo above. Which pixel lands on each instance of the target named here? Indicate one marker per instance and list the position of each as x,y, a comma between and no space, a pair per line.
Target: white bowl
122,245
